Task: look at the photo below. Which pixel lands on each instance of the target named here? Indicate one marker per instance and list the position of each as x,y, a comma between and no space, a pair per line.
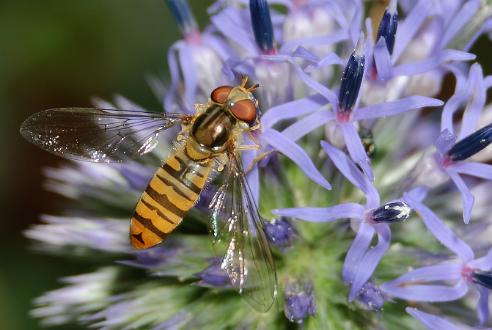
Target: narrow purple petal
356,149
427,293
440,231
353,174
324,214
291,110
468,199
327,93
355,24
409,27
335,37
478,98
483,305
451,106
483,263
461,18
478,170
235,24
444,56
450,271
170,100
357,250
308,124
190,76
395,107
296,154
382,58
432,322
418,193
371,260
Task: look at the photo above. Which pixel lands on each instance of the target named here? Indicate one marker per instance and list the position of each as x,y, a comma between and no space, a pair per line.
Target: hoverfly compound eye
244,110
220,94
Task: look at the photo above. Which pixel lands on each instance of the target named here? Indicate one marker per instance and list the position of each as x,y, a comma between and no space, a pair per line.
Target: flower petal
478,170
356,149
382,59
477,98
432,322
296,154
483,305
427,293
468,199
323,214
352,173
460,19
190,77
292,109
356,251
449,271
440,231
308,124
431,63
324,40
371,260
395,107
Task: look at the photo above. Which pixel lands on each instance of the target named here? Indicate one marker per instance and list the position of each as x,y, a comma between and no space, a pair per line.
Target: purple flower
299,301
214,275
342,112
371,219
449,280
195,63
433,322
280,232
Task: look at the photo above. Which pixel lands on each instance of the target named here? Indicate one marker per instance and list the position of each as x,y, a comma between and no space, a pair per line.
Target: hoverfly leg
258,159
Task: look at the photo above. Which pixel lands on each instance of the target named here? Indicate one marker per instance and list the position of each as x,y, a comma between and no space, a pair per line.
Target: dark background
58,53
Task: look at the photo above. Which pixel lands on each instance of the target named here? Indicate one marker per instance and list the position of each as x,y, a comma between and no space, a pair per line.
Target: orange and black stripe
173,190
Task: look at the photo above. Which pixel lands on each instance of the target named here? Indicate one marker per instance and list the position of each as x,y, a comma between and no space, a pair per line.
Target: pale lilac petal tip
296,154
371,260
356,252
395,107
468,199
483,305
323,214
432,322
440,231
427,293
356,149
352,173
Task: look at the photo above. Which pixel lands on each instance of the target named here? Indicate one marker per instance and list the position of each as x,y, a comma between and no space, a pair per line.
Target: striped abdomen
173,190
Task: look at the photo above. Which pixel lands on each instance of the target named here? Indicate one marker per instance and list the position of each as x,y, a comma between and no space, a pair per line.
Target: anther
483,278
181,11
388,26
472,144
352,78
262,25
391,212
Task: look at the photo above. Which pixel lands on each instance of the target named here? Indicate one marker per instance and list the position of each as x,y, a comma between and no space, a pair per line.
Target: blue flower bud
371,297
214,275
352,78
388,26
391,212
299,301
183,15
471,144
483,278
280,232
262,25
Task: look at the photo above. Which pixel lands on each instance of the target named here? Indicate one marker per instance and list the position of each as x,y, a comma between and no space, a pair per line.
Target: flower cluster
355,171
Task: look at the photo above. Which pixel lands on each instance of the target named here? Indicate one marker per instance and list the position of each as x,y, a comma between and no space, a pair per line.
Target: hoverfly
209,140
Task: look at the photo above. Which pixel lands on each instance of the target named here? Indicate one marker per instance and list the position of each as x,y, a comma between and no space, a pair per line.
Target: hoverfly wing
248,259
97,135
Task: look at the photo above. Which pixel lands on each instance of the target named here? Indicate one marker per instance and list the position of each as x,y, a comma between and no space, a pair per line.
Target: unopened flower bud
280,232
391,212
299,301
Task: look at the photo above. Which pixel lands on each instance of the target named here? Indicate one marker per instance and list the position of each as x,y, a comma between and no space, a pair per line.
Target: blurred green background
59,53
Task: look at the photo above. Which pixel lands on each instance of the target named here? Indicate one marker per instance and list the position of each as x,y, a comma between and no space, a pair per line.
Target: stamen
262,25
391,212
183,15
352,78
483,278
388,26
472,144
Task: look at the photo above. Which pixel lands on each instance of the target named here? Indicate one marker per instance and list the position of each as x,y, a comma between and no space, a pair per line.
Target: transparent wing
248,259
97,135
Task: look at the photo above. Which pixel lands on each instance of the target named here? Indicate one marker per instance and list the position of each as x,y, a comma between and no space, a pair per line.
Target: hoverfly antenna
244,81
252,88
